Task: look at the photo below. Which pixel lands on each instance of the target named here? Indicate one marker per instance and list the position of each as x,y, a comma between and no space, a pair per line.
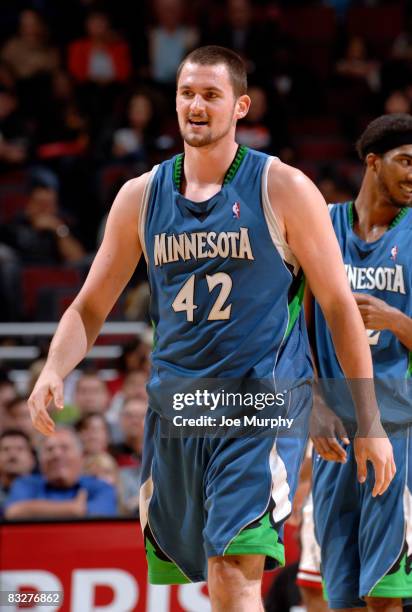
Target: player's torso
219,286
382,268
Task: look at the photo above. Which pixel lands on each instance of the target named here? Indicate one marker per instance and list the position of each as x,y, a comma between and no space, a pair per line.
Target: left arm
377,314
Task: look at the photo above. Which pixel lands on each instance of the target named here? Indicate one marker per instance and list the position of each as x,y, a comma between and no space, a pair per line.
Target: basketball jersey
226,290
382,268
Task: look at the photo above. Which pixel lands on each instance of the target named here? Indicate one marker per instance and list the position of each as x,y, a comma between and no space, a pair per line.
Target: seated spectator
135,357
93,433
32,59
41,235
17,416
253,131
102,465
129,451
357,65
7,394
397,102
60,490
91,394
134,385
16,459
170,40
14,132
135,139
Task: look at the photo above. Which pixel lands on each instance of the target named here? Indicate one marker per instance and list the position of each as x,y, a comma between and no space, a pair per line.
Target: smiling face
394,175
207,109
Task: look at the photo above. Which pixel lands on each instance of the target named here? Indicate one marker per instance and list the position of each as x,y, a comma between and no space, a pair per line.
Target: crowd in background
87,102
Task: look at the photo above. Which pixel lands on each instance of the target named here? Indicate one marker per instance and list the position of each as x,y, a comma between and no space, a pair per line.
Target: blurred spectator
91,394
16,459
134,140
94,434
100,62
402,46
254,130
170,40
135,357
357,65
17,416
333,187
60,491
14,132
42,235
103,466
397,102
129,451
7,394
134,385
32,59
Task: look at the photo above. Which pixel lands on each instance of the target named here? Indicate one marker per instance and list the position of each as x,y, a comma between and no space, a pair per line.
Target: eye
405,162
186,93
211,95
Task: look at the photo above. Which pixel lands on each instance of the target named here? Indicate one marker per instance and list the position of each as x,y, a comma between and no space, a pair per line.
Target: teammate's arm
112,268
303,217
378,315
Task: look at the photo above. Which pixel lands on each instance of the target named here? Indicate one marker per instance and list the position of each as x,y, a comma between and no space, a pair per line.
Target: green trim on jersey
160,571
229,176
409,370
295,306
395,584
393,223
262,539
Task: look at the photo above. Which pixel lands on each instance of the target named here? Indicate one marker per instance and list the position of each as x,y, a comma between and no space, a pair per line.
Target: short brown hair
212,55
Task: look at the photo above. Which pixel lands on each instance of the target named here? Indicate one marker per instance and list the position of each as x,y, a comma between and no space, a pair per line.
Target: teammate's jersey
225,288
382,268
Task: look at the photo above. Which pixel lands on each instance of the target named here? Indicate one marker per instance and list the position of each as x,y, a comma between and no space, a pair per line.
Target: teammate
225,231
366,543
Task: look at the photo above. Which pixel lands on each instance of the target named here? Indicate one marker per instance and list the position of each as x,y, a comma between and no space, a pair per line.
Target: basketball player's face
207,109
395,176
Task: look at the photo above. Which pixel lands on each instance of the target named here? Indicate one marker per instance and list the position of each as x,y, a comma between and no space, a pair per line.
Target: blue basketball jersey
225,291
382,268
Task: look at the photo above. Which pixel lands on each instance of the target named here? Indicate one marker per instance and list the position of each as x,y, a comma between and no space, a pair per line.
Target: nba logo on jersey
236,210
394,252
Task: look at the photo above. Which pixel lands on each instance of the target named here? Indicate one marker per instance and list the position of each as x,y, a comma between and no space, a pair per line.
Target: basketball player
225,231
366,542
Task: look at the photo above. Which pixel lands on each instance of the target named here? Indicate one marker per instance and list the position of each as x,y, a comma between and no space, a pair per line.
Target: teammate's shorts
366,542
309,565
210,496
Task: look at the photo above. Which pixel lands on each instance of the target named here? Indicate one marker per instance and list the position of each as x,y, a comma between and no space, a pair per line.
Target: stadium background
87,102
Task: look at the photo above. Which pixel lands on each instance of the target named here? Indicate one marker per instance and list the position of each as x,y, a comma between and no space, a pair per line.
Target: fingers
361,466
57,393
40,417
330,449
380,477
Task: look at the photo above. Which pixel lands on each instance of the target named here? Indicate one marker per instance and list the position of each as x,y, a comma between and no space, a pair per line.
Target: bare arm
43,508
112,268
378,315
304,219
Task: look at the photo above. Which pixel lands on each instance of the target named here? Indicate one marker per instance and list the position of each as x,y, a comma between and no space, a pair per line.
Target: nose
197,103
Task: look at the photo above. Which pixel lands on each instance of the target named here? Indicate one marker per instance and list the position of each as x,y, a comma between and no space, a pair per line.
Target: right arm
79,327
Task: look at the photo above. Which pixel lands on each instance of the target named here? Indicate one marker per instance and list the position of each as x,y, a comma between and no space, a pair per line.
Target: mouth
406,188
198,122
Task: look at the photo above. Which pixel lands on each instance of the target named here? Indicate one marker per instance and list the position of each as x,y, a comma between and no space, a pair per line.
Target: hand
48,387
325,431
46,221
80,503
380,453
376,313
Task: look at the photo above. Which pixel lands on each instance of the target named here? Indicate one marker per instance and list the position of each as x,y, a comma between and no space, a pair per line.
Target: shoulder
31,482
282,178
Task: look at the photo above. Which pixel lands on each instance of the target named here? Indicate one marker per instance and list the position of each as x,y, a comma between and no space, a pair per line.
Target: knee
231,575
383,604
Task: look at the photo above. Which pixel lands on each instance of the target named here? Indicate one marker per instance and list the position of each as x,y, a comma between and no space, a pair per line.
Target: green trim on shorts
395,584
260,538
160,571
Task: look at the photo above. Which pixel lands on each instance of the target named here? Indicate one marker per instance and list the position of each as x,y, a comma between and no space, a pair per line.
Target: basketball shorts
309,565
209,496
366,542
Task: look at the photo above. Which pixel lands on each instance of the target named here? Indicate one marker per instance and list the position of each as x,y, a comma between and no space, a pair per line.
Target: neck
373,209
208,165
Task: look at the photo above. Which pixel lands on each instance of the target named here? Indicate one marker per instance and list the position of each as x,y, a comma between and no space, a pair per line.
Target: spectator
14,132
356,64
169,41
17,416
100,63
32,59
134,385
94,434
91,394
397,102
42,235
128,452
135,140
135,357
16,459
7,394
254,131
60,490
103,466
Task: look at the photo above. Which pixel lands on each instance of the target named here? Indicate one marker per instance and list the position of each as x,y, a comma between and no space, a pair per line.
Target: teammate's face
207,109
394,175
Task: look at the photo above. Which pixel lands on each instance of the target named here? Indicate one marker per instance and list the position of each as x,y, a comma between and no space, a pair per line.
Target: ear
242,106
372,161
